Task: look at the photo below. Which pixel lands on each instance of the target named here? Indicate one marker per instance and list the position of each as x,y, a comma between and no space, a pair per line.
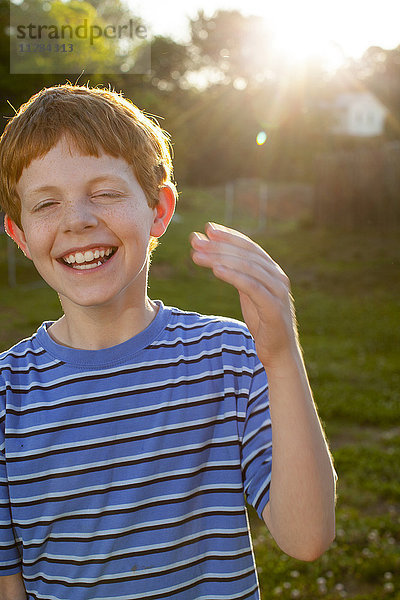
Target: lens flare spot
261,138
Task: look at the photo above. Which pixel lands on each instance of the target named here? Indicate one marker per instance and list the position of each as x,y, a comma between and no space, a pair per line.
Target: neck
96,328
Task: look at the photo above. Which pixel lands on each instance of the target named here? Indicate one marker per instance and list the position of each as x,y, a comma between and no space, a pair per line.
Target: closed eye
108,195
45,204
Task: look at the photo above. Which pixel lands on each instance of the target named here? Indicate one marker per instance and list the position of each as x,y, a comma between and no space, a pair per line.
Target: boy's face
86,226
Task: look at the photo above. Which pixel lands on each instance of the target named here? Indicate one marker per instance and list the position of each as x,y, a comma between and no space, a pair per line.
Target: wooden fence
359,188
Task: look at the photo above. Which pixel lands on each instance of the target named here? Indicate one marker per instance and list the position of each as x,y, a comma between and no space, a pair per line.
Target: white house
358,114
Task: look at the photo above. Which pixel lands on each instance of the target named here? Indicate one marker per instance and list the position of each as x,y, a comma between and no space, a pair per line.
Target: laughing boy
132,433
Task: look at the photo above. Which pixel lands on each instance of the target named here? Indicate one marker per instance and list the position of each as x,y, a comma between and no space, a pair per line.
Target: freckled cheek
40,238
128,222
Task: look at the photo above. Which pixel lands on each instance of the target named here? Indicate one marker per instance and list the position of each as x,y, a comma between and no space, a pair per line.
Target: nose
78,215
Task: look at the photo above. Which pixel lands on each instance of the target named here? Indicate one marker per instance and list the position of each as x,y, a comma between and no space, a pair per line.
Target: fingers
226,248
259,290
218,234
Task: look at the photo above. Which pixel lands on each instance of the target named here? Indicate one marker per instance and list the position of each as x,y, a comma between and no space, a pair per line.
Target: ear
163,211
17,235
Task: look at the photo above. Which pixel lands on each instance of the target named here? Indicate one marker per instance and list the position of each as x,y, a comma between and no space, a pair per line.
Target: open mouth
90,259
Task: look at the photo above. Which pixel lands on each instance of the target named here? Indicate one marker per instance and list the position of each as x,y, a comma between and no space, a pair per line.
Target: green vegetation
347,291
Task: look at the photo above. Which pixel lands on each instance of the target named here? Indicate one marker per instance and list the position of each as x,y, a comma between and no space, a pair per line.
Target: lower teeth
91,266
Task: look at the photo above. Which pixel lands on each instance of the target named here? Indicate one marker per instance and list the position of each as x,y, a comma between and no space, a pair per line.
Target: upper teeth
89,255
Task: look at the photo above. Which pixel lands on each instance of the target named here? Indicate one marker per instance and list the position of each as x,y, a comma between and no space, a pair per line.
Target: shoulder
210,330
203,337
22,354
184,320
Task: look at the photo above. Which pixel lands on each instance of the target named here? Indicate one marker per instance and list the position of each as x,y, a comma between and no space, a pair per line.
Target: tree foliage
233,45
57,48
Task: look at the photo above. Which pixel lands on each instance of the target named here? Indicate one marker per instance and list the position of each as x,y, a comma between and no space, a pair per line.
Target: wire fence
251,204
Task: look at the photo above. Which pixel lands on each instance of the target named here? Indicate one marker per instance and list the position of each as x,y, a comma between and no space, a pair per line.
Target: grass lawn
347,295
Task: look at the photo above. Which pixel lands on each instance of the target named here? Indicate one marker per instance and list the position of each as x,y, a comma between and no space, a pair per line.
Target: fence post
229,198
262,206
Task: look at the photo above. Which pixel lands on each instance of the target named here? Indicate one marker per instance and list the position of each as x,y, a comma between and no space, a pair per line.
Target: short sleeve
10,561
257,441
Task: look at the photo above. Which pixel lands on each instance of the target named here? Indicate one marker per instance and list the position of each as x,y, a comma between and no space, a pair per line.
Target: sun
305,31
300,45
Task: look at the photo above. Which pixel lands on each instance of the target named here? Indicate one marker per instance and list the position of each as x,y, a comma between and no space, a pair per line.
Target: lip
84,249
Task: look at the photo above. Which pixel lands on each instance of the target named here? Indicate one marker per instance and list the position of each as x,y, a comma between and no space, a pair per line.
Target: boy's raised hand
264,289
300,513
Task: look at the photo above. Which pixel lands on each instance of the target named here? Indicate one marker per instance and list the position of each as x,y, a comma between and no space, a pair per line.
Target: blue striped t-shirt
124,471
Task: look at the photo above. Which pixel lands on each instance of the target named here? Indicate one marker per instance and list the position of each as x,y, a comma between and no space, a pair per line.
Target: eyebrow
99,179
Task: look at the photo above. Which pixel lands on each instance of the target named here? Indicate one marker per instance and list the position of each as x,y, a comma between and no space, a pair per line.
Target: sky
332,29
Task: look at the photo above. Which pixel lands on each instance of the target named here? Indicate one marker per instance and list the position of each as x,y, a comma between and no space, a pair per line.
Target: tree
62,37
233,46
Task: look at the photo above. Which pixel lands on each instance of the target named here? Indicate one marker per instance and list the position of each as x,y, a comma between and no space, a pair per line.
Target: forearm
301,510
12,587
